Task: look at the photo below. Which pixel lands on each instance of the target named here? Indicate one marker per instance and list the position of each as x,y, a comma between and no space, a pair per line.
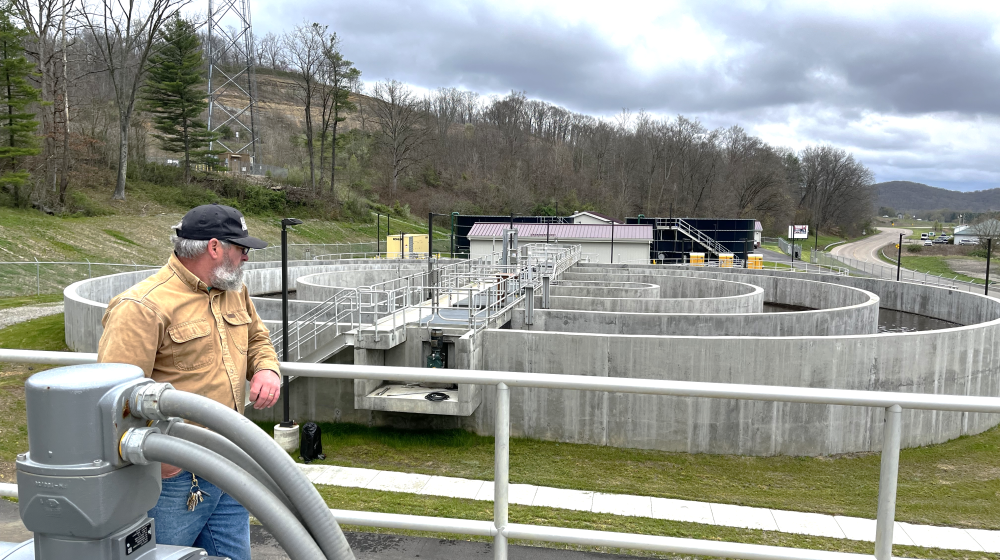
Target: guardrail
501,529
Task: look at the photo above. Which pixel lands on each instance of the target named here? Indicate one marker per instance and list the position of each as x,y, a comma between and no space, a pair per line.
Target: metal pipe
693,547
415,522
241,431
286,421
529,305
501,470
233,480
887,482
880,399
214,442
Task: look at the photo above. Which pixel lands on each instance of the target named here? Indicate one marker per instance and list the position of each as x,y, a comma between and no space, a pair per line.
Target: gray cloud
786,61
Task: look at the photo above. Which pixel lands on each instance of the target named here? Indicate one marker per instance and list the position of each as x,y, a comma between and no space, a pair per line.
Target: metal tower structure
232,83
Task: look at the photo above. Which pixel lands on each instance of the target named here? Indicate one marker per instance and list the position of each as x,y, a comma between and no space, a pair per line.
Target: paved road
866,250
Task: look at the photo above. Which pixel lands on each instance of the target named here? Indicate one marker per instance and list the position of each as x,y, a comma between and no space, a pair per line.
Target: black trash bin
311,443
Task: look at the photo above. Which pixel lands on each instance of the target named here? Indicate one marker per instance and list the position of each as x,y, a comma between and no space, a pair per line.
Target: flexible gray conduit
291,535
214,442
282,469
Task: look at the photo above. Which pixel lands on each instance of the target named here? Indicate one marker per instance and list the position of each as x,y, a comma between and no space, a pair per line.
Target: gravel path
16,315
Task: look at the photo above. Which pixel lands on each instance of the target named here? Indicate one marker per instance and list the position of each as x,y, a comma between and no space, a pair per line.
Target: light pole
286,421
454,218
899,256
989,251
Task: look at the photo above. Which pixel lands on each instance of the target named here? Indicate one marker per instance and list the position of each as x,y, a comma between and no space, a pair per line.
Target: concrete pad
682,510
313,471
354,477
327,476
453,487
940,537
742,516
860,529
807,524
578,500
399,482
623,504
989,540
521,494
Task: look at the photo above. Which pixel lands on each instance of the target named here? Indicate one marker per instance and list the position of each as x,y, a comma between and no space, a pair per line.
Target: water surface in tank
889,320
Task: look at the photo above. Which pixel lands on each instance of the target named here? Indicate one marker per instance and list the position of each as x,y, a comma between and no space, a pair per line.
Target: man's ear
215,249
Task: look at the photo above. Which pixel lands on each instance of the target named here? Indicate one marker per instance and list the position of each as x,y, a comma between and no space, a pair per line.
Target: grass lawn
46,333
953,484
20,301
931,264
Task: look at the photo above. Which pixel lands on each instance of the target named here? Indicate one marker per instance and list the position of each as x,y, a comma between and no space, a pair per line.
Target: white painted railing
501,530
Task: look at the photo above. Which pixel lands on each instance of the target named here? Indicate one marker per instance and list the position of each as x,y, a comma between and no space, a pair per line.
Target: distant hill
907,196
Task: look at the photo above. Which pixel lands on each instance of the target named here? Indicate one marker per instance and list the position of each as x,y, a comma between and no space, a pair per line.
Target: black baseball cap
217,221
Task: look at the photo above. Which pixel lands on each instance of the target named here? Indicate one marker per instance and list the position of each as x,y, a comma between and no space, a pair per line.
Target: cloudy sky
912,88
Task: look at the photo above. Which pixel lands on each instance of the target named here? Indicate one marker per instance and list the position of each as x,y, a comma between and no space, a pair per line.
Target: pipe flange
145,401
130,446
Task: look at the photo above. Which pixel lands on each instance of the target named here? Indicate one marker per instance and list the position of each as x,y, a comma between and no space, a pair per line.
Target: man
193,325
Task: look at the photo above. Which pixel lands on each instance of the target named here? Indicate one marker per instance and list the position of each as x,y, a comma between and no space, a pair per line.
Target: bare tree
304,46
124,33
401,130
836,189
270,52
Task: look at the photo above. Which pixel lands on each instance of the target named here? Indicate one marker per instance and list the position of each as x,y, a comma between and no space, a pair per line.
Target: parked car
923,236
940,241
968,242
928,242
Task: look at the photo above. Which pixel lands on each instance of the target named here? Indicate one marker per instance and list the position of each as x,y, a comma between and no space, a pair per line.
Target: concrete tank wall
604,289
713,296
86,300
324,285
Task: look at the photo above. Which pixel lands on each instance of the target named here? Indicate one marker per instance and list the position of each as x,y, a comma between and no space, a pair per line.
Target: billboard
798,232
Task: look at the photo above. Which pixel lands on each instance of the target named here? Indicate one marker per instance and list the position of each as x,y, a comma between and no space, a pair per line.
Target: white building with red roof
604,243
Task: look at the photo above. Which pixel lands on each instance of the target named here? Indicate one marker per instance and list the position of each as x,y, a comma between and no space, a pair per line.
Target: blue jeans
219,524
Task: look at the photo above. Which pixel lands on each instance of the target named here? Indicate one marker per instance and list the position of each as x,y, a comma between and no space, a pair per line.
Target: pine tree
175,95
17,125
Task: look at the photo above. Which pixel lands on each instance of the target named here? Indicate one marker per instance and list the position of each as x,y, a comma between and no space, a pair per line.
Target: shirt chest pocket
191,345
237,325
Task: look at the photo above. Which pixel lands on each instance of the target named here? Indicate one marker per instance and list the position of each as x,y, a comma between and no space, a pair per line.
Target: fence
887,271
501,529
50,277
310,251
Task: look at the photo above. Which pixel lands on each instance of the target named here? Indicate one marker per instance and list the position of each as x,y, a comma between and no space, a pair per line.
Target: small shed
598,242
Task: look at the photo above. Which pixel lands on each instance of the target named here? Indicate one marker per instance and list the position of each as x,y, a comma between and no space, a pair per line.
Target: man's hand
265,388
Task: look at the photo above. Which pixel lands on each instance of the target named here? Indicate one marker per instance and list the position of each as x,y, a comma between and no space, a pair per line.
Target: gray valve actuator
75,492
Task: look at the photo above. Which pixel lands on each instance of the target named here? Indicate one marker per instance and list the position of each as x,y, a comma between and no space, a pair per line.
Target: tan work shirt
179,332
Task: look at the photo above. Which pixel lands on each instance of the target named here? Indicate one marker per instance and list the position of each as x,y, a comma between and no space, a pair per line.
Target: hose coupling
145,401
130,446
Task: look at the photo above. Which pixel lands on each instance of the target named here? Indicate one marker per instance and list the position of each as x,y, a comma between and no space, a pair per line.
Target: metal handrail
391,299
892,402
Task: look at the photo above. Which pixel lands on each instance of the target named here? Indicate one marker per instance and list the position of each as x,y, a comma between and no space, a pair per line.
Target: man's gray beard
228,276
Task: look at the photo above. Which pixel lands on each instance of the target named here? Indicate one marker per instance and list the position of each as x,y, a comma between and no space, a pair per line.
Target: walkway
836,526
